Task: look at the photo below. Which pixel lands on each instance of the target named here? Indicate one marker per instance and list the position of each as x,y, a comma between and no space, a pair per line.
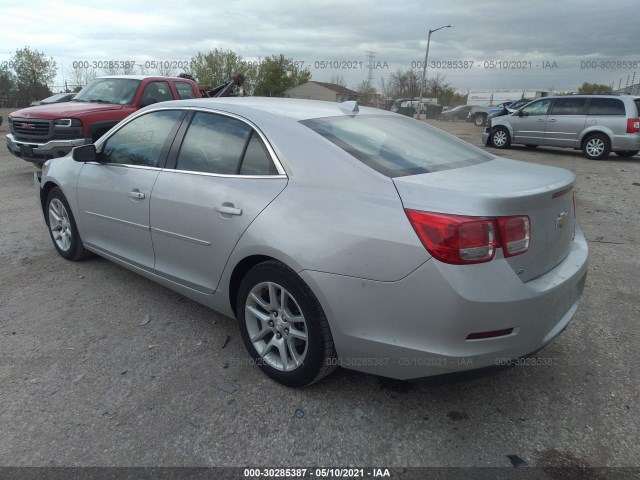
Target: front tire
62,227
500,138
596,147
283,326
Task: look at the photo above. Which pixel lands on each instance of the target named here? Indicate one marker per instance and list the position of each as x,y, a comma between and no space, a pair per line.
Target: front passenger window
536,108
141,141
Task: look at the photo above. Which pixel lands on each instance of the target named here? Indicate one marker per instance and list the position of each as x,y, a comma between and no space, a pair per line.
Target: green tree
594,88
34,73
219,66
277,74
7,87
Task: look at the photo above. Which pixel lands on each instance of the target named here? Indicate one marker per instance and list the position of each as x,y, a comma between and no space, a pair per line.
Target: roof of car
294,108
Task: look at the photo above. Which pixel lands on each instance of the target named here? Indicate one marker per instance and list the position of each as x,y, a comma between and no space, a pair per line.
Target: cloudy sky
509,42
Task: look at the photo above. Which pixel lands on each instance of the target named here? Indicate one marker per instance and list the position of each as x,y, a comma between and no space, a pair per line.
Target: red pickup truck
48,131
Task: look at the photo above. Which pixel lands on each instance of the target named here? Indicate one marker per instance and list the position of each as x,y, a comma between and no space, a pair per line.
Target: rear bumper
628,142
39,152
418,326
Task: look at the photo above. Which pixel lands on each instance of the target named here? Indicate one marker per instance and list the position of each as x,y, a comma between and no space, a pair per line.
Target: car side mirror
84,153
145,102
520,113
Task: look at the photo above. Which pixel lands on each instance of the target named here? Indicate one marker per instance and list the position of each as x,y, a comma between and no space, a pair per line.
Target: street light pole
424,66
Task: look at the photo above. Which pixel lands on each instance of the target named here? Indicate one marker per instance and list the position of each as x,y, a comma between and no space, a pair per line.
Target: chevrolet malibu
335,235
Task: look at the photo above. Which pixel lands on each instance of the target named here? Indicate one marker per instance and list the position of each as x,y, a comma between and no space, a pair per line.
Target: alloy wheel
276,326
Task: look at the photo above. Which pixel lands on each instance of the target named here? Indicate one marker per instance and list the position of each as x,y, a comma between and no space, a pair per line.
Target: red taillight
465,240
515,233
633,125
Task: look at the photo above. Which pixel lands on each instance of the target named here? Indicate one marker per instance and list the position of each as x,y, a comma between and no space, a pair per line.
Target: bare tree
166,70
78,76
338,80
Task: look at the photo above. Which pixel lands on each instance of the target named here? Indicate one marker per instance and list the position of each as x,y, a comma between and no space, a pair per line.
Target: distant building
329,92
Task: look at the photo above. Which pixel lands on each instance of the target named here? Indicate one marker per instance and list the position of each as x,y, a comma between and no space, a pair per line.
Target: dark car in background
457,113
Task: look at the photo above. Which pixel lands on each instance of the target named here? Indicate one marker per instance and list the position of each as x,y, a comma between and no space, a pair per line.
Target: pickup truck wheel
62,227
627,153
500,138
596,147
479,120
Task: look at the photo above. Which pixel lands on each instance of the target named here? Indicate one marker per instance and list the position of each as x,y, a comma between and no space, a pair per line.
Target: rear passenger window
213,144
569,106
606,106
184,90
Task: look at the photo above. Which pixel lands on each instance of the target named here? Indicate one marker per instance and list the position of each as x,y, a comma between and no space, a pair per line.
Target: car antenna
350,107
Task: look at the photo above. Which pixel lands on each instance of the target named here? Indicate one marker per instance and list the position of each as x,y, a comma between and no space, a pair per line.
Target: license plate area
26,151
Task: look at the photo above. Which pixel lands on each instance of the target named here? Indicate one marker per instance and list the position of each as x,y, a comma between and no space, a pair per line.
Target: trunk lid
500,188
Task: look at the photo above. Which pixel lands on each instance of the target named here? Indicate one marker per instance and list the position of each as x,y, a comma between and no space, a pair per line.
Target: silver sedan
335,235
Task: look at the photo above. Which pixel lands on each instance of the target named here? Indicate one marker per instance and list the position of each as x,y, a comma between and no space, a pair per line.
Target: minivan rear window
606,106
397,146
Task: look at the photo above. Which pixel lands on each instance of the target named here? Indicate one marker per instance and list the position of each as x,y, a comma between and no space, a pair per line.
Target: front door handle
228,209
136,194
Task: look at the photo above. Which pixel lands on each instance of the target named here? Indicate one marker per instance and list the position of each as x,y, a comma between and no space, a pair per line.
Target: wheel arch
239,272
44,193
595,131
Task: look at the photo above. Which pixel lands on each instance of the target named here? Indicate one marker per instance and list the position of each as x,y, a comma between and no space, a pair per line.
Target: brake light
462,240
515,233
633,125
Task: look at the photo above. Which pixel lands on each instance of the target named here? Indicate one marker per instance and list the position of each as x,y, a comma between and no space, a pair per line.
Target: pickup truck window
118,91
157,90
184,90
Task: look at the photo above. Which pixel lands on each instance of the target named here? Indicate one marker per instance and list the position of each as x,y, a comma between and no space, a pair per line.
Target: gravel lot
82,383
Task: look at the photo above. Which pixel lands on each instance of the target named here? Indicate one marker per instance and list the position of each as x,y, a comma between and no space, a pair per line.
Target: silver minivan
595,124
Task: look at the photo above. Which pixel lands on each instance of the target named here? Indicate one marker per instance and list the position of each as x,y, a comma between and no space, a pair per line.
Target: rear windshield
397,146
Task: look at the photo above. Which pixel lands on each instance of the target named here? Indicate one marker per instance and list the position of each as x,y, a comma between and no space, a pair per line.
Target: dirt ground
82,383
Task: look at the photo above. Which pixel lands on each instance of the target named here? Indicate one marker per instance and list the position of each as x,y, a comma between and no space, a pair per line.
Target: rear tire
283,326
627,153
62,227
500,138
596,147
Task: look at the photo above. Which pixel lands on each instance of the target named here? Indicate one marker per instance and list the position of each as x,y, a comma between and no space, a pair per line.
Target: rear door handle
229,209
553,120
136,194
